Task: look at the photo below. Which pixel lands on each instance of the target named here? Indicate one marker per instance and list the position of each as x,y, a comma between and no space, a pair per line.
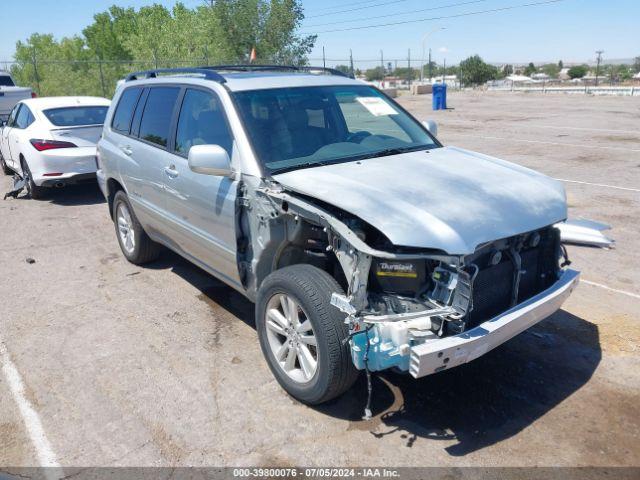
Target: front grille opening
493,285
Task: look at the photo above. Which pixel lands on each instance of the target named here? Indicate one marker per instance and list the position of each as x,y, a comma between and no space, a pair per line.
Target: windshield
301,127
76,116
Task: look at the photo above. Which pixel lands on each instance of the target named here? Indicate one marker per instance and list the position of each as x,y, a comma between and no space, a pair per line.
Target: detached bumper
442,353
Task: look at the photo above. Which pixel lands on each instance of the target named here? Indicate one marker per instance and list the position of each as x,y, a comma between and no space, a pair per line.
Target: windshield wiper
392,151
297,166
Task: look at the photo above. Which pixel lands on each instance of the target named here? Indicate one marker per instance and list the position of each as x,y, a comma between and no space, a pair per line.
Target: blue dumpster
439,96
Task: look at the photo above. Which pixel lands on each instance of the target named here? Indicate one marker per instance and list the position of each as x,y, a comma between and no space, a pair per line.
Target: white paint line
561,144
600,185
552,127
622,292
559,127
46,456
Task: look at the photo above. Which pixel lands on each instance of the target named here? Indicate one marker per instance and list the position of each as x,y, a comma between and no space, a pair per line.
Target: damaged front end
422,311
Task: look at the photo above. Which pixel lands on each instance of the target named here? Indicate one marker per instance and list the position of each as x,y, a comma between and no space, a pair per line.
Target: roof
59,102
250,80
262,80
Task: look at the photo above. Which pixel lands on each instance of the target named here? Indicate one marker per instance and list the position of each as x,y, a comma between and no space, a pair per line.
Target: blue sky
570,30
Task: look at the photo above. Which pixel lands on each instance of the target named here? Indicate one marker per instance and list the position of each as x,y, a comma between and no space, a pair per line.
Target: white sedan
51,141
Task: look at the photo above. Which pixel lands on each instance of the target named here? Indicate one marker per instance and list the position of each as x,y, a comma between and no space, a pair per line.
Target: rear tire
34,191
134,242
306,291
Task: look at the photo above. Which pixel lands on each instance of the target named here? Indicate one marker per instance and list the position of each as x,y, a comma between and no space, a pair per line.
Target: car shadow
487,400
84,194
475,405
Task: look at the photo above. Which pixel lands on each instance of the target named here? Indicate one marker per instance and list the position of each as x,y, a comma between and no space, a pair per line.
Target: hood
447,198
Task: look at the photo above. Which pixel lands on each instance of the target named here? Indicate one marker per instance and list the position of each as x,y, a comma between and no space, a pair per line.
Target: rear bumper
439,354
69,179
66,163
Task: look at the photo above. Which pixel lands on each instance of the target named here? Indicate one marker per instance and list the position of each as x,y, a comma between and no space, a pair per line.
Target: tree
372,74
551,69
636,65
507,70
577,71
560,65
404,72
268,26
530,70
476,72
121,40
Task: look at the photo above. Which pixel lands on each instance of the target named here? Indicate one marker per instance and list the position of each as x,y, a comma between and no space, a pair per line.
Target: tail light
42,145
34,94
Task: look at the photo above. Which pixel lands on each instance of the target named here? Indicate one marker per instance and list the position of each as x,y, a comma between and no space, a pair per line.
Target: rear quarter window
124,111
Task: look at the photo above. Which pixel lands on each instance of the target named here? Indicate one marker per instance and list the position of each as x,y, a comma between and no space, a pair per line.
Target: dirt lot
161,365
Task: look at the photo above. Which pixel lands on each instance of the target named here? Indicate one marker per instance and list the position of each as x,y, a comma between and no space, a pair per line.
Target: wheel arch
113,187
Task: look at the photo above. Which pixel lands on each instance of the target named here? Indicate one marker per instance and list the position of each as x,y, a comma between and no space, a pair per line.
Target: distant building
519,79
540,76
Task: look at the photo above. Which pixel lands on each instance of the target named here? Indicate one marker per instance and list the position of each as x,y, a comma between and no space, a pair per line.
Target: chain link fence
100,77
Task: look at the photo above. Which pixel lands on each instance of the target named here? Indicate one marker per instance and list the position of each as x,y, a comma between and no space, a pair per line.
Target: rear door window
155,125
124,111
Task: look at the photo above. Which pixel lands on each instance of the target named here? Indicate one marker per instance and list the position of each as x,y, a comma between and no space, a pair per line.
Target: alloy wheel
291,338
125,228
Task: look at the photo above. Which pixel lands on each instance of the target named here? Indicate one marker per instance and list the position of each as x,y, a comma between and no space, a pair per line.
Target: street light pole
424,40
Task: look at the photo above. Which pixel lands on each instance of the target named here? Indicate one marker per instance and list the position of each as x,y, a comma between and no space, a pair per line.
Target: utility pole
324,60
598,60
351,62
35,68
382,61
430,76
444,69
409,67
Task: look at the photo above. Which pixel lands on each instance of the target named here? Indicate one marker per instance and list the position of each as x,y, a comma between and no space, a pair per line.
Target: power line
383,4
408,12
342,5
438,18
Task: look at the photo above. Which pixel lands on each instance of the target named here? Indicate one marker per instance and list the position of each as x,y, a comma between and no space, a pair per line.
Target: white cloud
443,49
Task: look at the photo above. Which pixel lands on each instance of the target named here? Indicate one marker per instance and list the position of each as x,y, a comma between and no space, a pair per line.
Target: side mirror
431,126
209,160
2,123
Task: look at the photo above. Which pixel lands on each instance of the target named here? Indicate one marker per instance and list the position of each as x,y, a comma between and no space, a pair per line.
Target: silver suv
364,242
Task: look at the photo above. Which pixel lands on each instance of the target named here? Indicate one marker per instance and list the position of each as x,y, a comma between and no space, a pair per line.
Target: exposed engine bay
396,297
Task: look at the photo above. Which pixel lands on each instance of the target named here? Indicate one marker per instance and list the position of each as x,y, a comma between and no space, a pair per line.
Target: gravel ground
129,366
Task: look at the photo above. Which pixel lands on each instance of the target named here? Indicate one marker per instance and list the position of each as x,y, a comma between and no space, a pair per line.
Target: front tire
134,242
302,335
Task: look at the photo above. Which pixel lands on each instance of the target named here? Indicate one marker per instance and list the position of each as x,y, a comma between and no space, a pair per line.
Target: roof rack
276,68
211,72
208,73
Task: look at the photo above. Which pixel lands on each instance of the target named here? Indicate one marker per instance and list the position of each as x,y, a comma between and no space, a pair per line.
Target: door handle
171,171
126,150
